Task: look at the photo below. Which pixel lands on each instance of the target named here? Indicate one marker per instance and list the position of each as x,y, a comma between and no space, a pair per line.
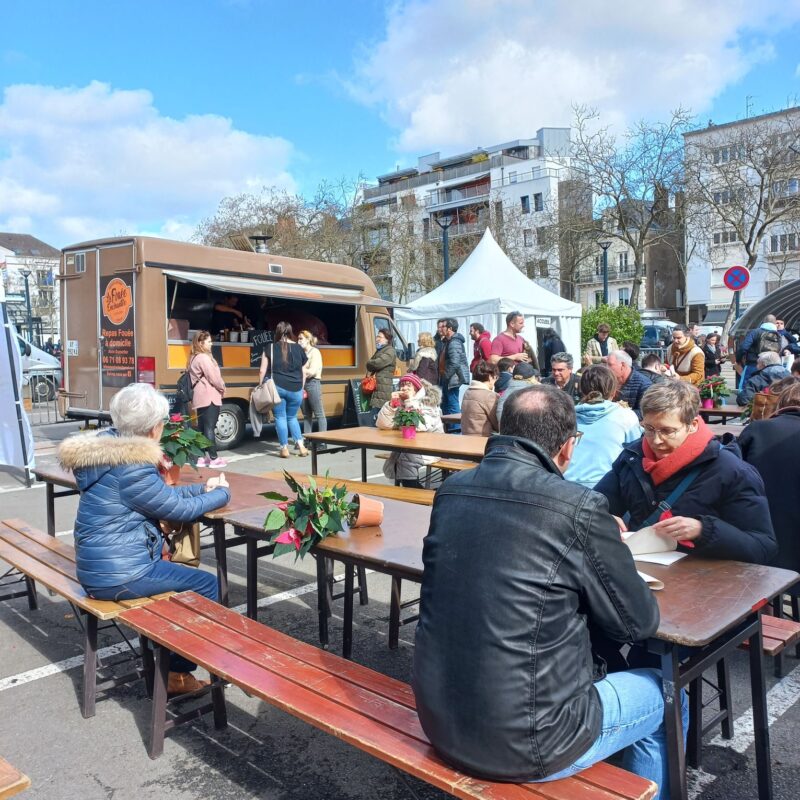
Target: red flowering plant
181,443
314,514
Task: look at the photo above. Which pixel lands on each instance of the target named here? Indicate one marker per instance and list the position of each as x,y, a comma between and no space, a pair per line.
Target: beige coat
689,363
479,410
593,355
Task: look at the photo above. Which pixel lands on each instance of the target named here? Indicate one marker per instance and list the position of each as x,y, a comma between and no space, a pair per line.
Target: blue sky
141,116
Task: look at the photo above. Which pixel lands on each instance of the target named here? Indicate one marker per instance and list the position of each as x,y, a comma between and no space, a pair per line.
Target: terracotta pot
370,512
708,402
173,475
409,431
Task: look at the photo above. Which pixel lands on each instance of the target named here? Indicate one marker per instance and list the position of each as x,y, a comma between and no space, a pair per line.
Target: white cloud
95,161
465,73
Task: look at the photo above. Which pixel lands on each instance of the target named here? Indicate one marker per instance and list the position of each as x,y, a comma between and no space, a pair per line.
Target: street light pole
444,223
605,245
26,273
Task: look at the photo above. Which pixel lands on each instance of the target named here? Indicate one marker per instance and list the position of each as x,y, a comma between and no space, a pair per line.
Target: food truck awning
264,287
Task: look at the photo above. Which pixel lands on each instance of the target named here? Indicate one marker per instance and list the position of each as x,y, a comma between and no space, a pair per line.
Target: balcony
595,275
441,199
458,229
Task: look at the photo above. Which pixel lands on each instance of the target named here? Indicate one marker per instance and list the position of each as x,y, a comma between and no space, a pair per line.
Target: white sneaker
217,463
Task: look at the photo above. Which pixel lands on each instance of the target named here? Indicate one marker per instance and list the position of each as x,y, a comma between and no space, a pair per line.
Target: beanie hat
413,379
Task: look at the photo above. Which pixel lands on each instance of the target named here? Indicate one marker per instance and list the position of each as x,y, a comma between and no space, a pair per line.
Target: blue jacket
633,389
758,381
123,496
727,497
606,427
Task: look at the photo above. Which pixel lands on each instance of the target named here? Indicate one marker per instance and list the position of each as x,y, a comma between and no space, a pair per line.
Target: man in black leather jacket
521,567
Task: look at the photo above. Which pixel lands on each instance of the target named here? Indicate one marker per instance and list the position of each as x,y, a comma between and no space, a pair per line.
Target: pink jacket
209,388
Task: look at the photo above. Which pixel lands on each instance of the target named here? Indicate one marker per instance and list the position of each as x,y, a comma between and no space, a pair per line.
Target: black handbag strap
674,496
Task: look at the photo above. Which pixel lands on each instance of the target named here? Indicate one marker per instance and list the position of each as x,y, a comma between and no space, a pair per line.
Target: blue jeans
164,576
633,719
450,404
285,414
747,372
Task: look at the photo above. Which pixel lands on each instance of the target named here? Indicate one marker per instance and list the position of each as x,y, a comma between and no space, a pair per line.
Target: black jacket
456,366
712,356
503,667
727,497
572,387
772,446
552,345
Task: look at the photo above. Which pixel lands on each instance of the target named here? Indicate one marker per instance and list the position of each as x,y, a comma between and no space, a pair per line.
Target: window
622,259
527,236
530,269
624,296
725,237
512,176
722,198
80,262
543,271
525,201
781,243
538,202
598,298
786,188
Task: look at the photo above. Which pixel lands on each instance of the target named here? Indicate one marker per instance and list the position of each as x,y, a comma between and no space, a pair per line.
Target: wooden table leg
89,666
313,457
221,554
159,715
51,508
760,720
322,599
676,758
347,634
252,578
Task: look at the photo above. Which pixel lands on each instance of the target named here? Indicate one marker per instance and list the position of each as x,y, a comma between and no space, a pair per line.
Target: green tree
625,323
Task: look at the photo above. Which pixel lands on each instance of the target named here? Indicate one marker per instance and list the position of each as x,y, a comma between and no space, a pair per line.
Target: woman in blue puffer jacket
118,541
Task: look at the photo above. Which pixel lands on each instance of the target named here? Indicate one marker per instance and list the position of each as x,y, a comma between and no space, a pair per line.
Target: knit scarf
659,469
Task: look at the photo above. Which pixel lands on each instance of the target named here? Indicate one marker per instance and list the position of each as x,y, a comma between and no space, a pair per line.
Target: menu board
259,341
118,356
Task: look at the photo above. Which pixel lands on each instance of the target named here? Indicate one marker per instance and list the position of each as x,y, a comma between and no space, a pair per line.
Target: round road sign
736,278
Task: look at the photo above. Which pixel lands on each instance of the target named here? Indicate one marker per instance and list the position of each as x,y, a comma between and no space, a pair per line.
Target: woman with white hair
118,541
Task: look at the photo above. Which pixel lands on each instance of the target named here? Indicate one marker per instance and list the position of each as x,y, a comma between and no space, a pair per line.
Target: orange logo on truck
117,301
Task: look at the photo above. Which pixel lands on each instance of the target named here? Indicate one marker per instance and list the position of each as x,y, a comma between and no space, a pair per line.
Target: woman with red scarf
721,510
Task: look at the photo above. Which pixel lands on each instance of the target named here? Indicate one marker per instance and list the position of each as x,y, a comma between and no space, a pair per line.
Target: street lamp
605,245
260,242
26,273
444,222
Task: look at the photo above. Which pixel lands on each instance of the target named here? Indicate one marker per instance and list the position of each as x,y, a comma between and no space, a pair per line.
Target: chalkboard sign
353,413
259,342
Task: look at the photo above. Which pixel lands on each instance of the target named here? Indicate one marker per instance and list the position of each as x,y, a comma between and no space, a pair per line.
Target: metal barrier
661,352
41,392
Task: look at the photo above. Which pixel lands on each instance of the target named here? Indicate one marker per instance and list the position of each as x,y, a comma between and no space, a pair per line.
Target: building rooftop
712,126
27,246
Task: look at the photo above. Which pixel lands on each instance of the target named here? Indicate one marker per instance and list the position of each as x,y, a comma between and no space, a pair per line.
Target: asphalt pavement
264,753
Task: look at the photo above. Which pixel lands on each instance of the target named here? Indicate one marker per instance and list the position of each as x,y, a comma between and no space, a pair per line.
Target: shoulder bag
675,494
265,395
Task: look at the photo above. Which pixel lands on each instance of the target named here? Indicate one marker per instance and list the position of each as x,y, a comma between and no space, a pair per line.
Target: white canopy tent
486,287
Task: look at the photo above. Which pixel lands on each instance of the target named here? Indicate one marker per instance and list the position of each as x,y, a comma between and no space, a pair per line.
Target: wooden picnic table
12,781
723,412
447,445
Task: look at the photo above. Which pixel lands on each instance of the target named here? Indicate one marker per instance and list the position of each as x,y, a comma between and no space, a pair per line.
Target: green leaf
274,496
180,458
275,520
292,483
170,448
282,549
323,520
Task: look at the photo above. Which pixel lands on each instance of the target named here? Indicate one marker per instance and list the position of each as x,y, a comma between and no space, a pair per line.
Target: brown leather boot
184,683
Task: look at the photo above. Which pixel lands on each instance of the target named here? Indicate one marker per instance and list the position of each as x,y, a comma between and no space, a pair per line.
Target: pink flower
176,418
291,536
283,506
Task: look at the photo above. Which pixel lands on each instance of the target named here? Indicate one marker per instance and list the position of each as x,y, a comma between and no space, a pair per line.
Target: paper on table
664,559
655,584
646,541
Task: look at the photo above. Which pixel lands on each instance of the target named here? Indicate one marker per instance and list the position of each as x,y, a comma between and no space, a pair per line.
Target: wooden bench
51,562
12,781
357,705
446,465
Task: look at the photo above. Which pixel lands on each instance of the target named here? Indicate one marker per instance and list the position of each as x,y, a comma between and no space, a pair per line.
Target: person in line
769,369
696,332
633,383
312,384
453,369
382,366
562,376
479,404
722,511
439,339
633,350
771,447
481,344
606,427
600,345
524,375
686,359
789,346
118,539
713,356
286,369
757,341
510,343
403,468
495,694
208,390
651,367
505,369
426,359
552,344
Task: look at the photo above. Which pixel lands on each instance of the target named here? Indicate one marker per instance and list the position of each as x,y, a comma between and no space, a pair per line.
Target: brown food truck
131,305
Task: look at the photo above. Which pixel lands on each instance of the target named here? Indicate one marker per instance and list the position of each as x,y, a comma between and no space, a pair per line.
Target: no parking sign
736,278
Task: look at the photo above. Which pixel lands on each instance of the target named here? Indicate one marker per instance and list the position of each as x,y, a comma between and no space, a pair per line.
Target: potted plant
181,444
313,515
712,391
407,420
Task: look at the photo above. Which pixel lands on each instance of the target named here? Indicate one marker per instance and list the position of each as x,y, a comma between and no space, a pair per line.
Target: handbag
666,505
265,395
184,544
368,384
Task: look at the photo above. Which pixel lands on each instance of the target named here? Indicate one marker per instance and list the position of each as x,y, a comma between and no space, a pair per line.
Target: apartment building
21,256
743,208
511,187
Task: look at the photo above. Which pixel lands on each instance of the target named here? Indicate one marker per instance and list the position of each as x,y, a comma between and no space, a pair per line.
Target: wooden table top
722,411
435,444
12,781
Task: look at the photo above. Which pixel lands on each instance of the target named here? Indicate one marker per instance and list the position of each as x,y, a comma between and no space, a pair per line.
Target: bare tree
624,175
742,181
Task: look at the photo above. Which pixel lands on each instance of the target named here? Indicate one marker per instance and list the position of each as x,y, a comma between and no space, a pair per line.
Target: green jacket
381,365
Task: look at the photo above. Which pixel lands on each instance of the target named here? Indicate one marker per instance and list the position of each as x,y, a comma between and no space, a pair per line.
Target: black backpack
767,342
427,370
184,389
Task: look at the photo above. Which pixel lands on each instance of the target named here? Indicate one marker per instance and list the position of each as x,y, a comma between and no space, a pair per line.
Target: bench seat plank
65,550
283,682
12,781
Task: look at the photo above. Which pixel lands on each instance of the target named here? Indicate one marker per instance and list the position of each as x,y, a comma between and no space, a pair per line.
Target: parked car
657,335
39,369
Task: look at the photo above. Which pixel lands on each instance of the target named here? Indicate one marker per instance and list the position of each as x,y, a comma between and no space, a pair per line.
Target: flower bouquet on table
713,390
314,514
181,444
407,420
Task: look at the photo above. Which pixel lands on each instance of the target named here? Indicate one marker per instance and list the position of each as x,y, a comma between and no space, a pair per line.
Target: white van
39,369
